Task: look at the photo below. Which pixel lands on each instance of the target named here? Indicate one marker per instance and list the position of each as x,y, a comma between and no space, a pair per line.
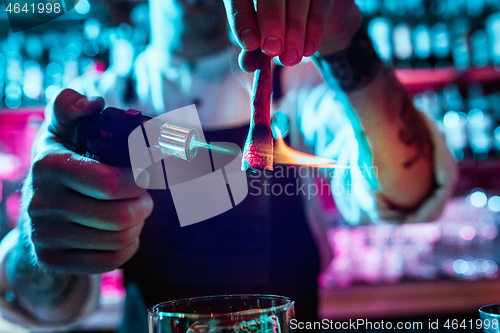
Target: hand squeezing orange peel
258,149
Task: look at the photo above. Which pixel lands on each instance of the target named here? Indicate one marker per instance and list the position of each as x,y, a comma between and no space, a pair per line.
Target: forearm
34,297
398,139
38,299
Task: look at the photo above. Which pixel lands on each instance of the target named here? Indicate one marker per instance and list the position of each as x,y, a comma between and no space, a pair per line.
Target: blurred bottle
2,78
403,46
493,31
428,102
368,8
393,8
492,4
493,101
455,8
53,79
14,77
32,84
476,98
437,9
455,123
441,45
13,70
475,8
416,8
380,32
72,52
139,16
422,47
480,123
422,41
34,48
459,46
479,48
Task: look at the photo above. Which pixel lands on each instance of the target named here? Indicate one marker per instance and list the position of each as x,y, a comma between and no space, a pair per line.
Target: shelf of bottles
447,53
463,244
36,63
434,33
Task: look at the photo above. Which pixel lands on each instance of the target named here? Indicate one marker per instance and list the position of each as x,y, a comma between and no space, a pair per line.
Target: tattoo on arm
40,287
354,67
43,288
414,133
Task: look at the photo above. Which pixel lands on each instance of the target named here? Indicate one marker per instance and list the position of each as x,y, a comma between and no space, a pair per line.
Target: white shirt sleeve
329,127
14,308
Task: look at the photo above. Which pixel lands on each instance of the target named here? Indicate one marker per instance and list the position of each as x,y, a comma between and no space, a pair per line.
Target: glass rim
482,310
155,310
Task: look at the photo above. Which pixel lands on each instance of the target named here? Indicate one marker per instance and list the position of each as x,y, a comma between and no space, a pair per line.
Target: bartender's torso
263,245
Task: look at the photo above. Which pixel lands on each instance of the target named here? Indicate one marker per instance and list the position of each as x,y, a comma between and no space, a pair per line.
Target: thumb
68,109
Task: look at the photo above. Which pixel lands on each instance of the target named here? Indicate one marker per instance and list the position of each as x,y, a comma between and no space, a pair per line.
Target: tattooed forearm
40,287
354,67
414,133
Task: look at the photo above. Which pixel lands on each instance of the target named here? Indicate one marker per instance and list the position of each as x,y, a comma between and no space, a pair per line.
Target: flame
283,154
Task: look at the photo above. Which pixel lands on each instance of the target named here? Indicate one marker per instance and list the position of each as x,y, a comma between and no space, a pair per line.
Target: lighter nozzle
178,140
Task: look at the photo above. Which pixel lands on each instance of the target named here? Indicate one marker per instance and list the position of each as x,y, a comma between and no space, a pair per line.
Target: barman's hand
292,29
86,216
77,217
389,130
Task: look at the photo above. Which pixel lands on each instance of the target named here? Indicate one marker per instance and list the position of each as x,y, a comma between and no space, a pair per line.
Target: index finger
271,15
89,177
243,23
103,181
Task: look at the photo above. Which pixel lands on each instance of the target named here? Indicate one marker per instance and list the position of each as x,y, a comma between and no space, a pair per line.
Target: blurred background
447,54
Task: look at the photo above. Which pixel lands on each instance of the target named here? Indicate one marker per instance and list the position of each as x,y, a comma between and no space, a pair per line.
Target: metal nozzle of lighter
178,140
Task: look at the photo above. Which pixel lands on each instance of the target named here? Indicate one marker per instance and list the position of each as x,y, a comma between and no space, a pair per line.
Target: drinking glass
223,314
490,317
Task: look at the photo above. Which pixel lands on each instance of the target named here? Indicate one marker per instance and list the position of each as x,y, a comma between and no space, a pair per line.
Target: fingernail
308,48
82,103
273,45
249,38
142,179
290,57
93,98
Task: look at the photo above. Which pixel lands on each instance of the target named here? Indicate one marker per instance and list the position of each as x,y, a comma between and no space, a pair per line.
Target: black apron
263,245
